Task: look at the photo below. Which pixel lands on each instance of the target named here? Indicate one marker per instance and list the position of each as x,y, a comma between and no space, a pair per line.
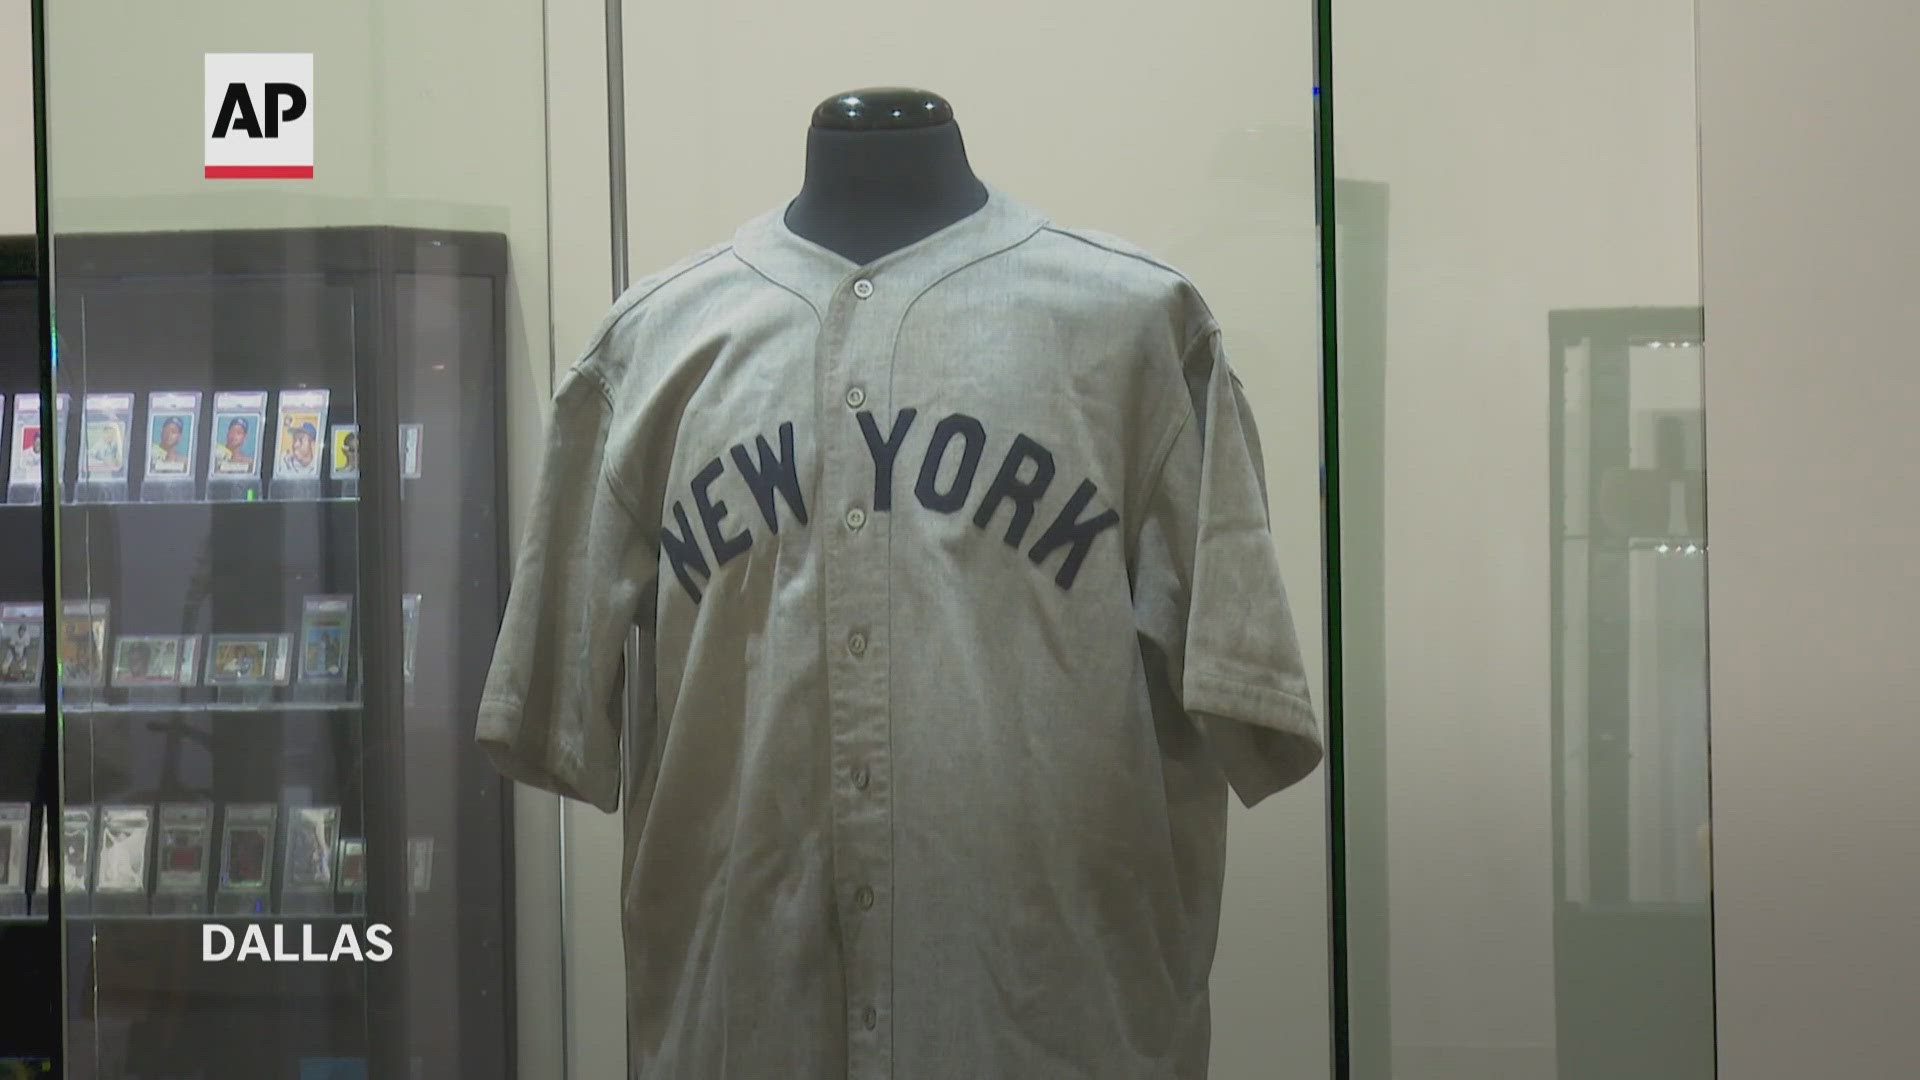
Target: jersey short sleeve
550,713
1210,606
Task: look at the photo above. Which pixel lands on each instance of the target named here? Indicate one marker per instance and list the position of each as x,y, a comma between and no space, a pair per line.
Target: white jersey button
863,897
857,643
860,777
863,288
870,1017
856,517
856,397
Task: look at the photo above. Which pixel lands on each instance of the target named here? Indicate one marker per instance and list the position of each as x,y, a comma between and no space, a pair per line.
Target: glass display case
282,559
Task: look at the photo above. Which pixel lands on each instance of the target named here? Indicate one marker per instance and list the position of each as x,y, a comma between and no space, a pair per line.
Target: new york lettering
703,533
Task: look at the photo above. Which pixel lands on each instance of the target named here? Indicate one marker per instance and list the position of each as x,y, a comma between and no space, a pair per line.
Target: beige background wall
16,118
1809,150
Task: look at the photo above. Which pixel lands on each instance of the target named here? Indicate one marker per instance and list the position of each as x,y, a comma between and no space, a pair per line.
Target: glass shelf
69,505
149,708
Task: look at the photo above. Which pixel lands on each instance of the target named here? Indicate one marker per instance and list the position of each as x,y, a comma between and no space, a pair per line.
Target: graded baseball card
353,864
343,452
173,420
155,659
186,834
246,848
303,416
234,436
76,847
13,847
105,436
410,631
311,834
23,645
410,451
326,625
126,833
247,659
83,642
419,863
26,442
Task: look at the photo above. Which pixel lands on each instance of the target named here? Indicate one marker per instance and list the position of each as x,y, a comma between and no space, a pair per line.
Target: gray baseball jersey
960,616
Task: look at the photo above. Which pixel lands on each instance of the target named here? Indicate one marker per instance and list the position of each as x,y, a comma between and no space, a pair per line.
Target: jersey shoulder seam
1084,237
608,474
1183,415
641,290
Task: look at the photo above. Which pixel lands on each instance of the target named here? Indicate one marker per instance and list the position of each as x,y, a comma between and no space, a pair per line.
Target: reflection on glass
284,369
1632,925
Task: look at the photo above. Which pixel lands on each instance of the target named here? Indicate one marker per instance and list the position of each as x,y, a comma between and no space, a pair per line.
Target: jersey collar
817,273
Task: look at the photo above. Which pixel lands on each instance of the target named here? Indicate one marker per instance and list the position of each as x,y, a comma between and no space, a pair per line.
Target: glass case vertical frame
383,744
34,952
485,1011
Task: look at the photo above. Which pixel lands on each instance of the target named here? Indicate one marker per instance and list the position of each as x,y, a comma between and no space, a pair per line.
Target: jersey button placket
857,580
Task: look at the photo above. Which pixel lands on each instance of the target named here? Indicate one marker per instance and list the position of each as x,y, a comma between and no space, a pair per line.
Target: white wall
1810,148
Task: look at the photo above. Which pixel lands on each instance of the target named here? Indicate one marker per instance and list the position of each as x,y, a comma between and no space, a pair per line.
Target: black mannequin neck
869,192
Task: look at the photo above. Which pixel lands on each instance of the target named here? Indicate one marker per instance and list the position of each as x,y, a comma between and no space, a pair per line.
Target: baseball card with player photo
246,848
326,635
155,660
76,850
23,645
83,642
105,436
410,451
173,420
25,443
312,832
343,454
303,417
247,660
125,836
352,861
233,438
185,835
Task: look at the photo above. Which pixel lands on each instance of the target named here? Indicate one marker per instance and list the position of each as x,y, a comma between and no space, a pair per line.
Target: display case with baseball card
106,448
182,860
278,609
121,866
27,440
233,445
172,442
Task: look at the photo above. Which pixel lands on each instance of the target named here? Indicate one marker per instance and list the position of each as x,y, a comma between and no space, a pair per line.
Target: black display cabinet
282,555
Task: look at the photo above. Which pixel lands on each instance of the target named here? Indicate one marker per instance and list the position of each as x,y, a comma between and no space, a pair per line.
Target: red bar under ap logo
259,116
259,172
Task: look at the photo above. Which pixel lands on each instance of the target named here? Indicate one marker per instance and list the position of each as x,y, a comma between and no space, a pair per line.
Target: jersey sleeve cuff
507,740
1264,739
